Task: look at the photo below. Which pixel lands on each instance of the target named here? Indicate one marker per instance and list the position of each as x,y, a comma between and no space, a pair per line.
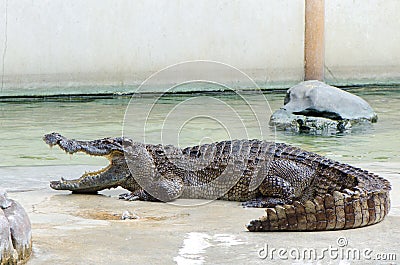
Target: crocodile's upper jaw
101,147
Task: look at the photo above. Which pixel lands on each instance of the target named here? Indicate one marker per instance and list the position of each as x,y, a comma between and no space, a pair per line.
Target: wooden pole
314,40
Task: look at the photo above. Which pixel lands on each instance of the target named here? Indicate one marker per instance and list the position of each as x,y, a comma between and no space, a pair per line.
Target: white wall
362,42
74,42
74,46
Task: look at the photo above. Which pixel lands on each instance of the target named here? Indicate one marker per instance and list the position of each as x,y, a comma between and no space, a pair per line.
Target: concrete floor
87,229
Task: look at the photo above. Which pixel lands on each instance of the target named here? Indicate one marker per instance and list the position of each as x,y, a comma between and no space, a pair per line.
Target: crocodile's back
220,170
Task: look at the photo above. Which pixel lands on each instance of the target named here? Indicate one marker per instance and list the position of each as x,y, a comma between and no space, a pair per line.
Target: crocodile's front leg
153,186
163,189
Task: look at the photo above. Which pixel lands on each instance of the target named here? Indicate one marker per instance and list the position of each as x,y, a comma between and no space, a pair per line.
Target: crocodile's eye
159,152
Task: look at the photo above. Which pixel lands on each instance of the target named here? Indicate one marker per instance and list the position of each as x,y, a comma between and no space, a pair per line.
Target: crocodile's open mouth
109,176
99,171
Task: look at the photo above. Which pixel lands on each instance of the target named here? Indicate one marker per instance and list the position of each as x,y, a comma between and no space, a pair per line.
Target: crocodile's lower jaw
89,182
90,174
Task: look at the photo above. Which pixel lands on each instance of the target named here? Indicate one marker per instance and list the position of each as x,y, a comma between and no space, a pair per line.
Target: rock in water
314,107
15,232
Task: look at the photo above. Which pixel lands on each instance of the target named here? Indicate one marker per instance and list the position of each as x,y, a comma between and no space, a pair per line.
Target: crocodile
301,190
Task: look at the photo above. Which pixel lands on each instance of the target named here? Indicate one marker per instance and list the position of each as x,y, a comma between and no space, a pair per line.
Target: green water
183,120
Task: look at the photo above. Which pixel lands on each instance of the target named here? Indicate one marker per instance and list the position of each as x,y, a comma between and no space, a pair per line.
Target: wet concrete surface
87,229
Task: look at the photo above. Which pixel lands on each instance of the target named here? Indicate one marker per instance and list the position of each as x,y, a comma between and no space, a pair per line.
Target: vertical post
314,40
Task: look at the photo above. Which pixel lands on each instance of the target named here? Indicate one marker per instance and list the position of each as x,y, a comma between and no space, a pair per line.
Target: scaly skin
301,190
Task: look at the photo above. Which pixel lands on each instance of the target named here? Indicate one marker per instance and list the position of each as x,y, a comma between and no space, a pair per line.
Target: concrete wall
362,41
93,46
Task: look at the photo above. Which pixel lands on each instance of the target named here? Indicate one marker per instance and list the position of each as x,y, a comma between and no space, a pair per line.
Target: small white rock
128,215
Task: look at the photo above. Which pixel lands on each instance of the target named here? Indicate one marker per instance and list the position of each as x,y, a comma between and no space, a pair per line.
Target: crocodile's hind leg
274,190
280,182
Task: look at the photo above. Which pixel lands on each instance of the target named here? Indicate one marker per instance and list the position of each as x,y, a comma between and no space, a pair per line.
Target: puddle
101,215
104,215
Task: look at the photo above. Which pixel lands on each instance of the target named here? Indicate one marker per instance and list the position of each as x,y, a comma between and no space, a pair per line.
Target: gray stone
286,121
15,232
316,108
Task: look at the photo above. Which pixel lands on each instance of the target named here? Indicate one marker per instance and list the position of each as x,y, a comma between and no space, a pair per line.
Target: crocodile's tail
354,198
331,212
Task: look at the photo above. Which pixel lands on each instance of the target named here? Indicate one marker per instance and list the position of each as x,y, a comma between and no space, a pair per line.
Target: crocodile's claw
129,196
139,195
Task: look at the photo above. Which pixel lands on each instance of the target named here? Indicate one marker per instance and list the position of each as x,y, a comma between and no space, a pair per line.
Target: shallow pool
182,120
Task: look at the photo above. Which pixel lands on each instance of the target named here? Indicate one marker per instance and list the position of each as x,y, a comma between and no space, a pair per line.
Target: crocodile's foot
264,202
140,195
129,196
